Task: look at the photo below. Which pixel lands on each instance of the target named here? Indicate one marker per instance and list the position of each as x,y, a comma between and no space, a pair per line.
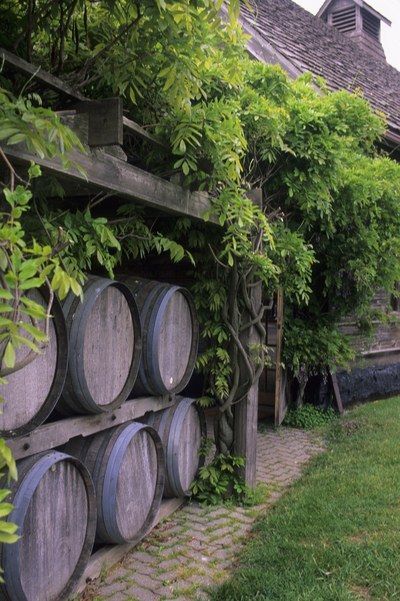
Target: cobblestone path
196,546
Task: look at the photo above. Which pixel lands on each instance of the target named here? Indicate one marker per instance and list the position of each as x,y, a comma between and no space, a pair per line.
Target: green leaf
9,355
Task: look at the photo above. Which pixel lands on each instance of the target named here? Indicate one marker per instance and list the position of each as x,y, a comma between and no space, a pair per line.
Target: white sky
390,35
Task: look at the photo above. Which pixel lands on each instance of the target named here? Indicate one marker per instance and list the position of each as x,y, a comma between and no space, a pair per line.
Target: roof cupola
357,20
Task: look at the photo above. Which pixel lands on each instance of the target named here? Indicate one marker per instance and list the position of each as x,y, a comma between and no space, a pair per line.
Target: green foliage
334,535
314,346
25,264
24,121
7,468
308,417
327,232
218,481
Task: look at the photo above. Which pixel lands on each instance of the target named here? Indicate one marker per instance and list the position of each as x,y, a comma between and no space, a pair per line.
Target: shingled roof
301,42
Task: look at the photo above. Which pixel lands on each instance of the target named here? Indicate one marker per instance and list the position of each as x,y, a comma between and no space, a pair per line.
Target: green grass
335,536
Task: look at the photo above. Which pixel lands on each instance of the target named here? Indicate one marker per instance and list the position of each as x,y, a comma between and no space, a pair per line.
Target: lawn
335,536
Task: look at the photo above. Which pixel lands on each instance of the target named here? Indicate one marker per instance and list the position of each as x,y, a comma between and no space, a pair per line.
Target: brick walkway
195,548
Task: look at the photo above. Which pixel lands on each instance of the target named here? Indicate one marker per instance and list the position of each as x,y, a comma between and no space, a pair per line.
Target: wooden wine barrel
127,467
182,429
170,336
32,392
55,509
105,347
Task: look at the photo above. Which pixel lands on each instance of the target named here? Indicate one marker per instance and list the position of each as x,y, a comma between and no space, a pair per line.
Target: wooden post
246,412
105,121
336,391
281,376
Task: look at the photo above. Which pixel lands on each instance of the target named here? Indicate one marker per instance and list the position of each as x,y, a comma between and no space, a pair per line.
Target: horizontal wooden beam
36,72
117,177
134,128
55,434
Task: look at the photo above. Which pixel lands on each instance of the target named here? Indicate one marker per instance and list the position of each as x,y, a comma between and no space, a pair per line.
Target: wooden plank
60,86
109,555
381,351
118,177
54,434
105,121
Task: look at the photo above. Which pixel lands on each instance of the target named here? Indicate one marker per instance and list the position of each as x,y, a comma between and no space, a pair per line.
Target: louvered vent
345,19
370,24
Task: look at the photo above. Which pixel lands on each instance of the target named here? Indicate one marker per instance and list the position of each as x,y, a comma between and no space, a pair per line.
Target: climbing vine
327,228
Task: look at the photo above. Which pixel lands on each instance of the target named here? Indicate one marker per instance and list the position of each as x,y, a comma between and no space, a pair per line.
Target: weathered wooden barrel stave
32,392
170,336
55,509
127,467
182,429
105,348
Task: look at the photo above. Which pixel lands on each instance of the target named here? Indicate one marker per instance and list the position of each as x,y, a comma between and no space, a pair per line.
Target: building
342,44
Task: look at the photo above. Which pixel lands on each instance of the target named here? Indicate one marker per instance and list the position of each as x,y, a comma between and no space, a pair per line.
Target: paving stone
145,581
119,572
140,594
169,564
115,597
111,590
197,546
142,568
144,557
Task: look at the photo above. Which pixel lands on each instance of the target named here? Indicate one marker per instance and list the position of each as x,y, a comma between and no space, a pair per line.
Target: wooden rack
100,171
55,434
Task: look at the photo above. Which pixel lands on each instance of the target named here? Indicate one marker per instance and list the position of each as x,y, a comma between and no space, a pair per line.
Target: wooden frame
58,85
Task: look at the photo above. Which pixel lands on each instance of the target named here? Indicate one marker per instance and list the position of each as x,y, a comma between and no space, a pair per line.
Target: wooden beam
246,412
36,72
133,128
57,433
122,179
281,376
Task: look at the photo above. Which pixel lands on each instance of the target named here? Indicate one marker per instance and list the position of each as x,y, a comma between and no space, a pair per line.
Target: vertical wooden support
105,121
336,391
246,412
280,377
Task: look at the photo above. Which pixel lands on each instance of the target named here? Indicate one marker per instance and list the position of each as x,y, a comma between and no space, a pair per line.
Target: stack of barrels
123,340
